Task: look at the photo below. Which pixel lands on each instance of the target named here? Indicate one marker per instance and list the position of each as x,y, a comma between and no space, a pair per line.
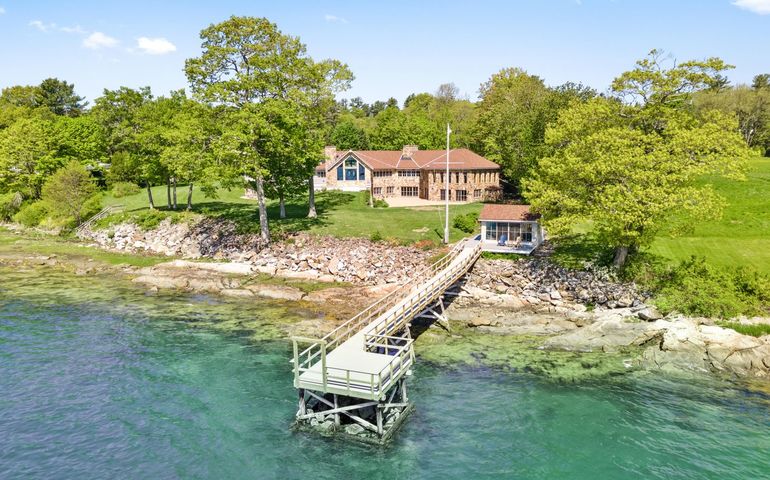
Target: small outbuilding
510,229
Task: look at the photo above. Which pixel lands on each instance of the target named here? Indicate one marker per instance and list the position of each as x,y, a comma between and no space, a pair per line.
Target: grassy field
339,214
742,236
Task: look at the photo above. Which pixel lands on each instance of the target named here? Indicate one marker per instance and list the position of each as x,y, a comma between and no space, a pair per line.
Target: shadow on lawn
246,215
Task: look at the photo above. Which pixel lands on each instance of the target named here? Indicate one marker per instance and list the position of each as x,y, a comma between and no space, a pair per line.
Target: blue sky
394,48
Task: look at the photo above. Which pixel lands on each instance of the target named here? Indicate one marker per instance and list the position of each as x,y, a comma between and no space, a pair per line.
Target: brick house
410,172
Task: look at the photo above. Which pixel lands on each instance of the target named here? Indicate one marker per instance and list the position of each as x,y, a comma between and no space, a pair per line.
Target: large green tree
630,167
59,97
67,191
266,80
513,113
28,154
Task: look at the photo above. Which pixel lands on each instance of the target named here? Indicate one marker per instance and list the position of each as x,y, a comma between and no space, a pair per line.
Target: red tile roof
497,212
459,159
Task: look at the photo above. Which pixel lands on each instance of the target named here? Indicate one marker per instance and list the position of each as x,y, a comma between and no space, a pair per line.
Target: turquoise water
110,388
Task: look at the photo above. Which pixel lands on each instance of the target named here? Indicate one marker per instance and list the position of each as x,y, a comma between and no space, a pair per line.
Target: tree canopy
629,168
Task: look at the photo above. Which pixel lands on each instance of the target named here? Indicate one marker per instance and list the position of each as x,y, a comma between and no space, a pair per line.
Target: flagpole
446,192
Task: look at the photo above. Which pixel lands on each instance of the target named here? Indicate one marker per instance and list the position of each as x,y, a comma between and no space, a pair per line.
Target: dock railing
432,281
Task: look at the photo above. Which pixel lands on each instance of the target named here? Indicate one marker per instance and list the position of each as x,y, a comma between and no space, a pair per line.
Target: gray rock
354,429
649,314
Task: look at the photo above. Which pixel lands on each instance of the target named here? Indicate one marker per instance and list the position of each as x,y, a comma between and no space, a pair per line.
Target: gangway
360,366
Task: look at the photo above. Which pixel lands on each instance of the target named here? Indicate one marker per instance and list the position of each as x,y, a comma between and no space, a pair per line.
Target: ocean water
102,382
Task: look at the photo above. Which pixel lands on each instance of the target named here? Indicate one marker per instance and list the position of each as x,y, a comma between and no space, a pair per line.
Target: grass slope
340,214
742,236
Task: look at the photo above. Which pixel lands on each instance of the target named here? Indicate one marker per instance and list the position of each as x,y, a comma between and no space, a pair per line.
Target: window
443,194
465,177
492,231
361,172
389,190
409,191
377,190
477,193
409,173
386,173
457,177
320,173
442,177
512,231
352,169
340,174
461,195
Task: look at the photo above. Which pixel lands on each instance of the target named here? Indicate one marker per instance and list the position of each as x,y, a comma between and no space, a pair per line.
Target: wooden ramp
365,357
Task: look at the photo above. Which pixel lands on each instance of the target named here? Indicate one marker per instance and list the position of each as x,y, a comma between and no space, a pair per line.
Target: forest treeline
261,116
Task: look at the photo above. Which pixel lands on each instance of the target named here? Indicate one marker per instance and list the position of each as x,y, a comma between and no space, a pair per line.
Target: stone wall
434,183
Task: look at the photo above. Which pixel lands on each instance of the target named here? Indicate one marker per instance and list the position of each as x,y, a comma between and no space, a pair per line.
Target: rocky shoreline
566,310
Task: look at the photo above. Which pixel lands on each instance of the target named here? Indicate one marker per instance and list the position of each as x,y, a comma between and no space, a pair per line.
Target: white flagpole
446,192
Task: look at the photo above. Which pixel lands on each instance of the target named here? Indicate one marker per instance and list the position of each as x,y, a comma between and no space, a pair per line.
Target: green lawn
339,214
741,236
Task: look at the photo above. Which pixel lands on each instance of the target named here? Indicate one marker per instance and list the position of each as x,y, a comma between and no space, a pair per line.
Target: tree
346,135
750,106
761,82
119,114
190,139
512,115
19,96
631,168
67,191
28,155
59,97
262,77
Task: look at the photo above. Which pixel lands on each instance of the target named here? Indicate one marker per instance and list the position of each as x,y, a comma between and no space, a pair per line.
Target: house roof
459,159
495,212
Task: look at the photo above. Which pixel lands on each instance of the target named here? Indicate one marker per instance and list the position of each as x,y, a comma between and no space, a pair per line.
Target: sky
393,47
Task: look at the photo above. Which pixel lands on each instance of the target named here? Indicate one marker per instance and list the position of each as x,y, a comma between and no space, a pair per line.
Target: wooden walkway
367,355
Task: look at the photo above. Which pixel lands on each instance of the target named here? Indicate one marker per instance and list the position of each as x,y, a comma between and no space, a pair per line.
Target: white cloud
761,7
52,27
43,27
334,18
2,10
99,40
155,46
76,29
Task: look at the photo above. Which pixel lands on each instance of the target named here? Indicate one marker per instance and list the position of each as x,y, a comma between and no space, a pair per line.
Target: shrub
68,190
697,288
466,223
32,214
376,236
10,203
380,204
149,219
124,189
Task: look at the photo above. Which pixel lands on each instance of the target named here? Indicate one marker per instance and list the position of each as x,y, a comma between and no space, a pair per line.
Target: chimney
409,150
330,152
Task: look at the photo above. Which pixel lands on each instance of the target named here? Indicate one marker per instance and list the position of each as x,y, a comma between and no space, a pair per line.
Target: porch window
361,172
340,174
350,174
492,231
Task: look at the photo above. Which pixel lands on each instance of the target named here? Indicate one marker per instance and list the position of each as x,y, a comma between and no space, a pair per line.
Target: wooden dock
360,366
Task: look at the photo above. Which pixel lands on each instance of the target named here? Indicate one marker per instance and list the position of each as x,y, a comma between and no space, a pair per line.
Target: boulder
649,314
